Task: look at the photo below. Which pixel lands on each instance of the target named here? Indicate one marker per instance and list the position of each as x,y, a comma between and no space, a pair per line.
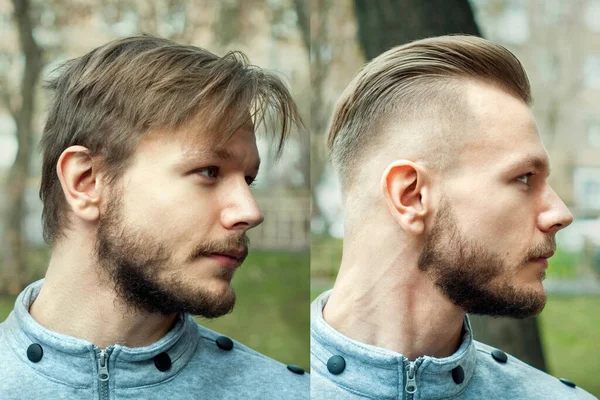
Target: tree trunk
384,24
312,17
14,275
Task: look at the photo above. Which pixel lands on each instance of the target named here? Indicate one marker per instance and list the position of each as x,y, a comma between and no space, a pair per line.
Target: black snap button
296,369
500,356
224,343
336,365
162,362
567,382
458,374
35,352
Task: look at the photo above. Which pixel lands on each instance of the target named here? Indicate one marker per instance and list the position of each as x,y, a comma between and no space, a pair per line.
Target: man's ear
404,188
78,177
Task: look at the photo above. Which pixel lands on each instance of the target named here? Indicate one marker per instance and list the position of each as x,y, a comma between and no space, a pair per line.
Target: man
447,212
148,154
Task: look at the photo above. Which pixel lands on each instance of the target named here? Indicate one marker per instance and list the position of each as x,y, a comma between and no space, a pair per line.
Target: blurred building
286,226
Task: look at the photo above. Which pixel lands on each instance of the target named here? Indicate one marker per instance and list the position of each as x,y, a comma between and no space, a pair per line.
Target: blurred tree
303,19
387,23
21,107
316,39
302,8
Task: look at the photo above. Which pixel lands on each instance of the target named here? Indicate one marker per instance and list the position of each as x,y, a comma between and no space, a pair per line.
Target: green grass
570,329
325,256
272,312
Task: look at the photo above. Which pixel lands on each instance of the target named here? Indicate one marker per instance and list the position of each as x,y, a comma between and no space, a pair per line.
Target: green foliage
563,264
272,313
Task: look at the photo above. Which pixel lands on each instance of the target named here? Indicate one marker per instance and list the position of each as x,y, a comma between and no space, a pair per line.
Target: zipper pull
102,367
411,383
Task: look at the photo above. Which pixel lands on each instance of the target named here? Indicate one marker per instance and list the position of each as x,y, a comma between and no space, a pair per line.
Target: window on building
591,72
593,134
592,15
586,186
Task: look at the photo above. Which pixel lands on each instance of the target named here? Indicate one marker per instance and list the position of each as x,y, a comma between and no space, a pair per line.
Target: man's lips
231,258
548,254
543,259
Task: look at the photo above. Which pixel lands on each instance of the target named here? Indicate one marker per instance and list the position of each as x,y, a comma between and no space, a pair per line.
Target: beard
136,263
474,278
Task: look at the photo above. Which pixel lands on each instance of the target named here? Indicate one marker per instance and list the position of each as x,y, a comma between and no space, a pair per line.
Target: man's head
438,133
150,149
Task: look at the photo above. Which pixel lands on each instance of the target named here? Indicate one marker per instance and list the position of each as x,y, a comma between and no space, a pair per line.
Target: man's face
173,231
495,227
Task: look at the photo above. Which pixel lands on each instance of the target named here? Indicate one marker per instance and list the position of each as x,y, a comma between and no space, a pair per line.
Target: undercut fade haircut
420,80
111,98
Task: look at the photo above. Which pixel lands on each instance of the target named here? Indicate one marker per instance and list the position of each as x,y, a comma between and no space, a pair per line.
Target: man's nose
556,215
241,210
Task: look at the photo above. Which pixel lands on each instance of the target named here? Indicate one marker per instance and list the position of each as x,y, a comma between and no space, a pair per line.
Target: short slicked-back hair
402,82
117,94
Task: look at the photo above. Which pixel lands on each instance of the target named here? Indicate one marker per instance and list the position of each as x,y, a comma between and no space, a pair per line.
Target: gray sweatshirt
342,368
190,362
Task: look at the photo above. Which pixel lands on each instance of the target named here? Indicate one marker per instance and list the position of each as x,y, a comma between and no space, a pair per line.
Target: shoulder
511,376
250,370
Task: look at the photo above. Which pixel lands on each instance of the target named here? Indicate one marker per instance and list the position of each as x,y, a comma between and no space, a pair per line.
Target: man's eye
209,172
525,178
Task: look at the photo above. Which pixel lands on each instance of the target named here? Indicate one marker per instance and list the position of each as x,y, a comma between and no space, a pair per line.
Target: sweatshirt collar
375,372
62,353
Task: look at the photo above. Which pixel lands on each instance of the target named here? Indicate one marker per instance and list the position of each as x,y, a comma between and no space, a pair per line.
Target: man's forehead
201,135
510,155
502,124
241,147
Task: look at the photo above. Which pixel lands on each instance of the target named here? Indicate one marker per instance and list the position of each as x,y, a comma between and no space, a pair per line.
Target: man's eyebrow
227,155
222,153
535,162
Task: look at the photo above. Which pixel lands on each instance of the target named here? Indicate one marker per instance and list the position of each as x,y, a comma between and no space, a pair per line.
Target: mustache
230,244
542,249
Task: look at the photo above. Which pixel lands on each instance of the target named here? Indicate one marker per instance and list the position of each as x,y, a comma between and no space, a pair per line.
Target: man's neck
74,301
395,307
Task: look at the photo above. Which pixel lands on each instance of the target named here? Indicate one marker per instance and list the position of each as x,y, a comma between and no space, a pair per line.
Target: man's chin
213,302
521,305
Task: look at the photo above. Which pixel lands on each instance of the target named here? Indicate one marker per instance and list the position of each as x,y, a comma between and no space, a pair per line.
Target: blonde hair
407,82
112,97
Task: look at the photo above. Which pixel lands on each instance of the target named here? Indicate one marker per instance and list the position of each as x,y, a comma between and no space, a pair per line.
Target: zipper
103,374
411,383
